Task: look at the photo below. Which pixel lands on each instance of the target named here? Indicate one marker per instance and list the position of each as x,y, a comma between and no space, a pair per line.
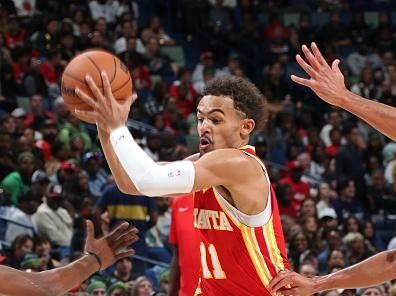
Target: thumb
335,66
90,230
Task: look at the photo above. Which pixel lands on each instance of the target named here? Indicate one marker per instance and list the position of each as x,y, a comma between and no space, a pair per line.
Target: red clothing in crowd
12,41
185,105
49,73
141,78
332,150
300,191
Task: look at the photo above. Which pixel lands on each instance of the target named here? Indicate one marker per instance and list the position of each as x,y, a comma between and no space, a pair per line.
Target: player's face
220,125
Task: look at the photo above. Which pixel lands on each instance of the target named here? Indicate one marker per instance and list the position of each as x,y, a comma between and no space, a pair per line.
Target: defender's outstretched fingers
310,57
335,66
84,97
289,292
125,254
318,54
307,68
117,232
302,81
126,238
280,282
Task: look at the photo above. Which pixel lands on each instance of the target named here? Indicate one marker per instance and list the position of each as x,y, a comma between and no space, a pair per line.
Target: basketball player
235,209
99,254
328,83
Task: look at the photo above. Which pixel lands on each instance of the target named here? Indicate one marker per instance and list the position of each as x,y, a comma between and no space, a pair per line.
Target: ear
248,125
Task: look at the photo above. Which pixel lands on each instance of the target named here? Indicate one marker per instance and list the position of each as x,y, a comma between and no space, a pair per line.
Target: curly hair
247,98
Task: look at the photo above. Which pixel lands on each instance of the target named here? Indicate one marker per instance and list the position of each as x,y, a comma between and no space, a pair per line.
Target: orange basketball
93,62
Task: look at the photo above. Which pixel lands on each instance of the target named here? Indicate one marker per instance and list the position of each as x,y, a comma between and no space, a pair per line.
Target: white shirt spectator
108,10
120,45
392,244
356,62
57,225
13,230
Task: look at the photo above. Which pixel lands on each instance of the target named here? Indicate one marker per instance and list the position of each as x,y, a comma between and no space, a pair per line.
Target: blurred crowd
334,176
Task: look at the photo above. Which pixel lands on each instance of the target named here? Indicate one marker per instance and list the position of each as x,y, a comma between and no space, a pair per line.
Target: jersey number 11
218,272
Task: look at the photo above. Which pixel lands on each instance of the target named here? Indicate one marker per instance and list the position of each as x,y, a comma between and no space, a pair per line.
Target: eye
216,121
200,120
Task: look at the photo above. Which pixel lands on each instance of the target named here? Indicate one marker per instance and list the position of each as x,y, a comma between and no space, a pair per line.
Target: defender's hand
299,285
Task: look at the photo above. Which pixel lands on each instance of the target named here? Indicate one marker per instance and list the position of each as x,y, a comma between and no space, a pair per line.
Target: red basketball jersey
237,259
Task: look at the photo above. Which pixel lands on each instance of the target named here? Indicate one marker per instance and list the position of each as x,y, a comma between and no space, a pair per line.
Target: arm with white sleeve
226,167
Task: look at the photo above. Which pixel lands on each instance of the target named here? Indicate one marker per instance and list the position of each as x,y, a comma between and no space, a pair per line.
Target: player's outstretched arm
373,271
99,254
225,167
328,83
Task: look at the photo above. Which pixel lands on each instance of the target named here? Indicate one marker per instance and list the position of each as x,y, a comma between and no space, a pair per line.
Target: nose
203,127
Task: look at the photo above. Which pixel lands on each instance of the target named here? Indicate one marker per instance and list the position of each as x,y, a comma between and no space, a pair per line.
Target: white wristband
148,177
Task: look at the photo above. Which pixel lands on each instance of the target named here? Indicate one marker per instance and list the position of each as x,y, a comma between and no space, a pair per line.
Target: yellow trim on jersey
273,249
229,215
254,251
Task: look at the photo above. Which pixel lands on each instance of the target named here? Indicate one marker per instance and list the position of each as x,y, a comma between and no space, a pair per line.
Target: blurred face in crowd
372,292
52,27
367,75
99,292
83,181
352,225
25,247
368,230
43,248
301,242
307,270
30,206
336,258
276,71
28,133
308,208
39,188
349,192
26,166
85,29
357,246
9,125
54,201
144,288
378,179
22,144
310,225
334,118
153,46
97,39
5,143
101,26
36,104
13,27
324,191
123,267
49,132
127,29
155,24
335,136
334,240
219,123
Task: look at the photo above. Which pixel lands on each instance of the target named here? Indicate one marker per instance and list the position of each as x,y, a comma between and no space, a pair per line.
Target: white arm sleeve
151,179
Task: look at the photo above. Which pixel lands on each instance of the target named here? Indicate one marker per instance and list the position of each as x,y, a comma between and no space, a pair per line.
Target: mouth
205,142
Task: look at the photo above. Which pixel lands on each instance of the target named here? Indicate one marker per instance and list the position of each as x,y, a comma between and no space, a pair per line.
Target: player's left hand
108,112
112,246
299,285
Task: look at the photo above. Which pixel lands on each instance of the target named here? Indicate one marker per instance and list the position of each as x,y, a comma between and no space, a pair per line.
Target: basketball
93,62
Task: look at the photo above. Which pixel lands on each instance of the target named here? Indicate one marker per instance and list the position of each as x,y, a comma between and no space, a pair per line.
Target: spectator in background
118,289
207,61
129,30
7,163
366,87
48,40
33,80
72,127
154,30
300,189
61,111
15,34
19,115
38,114
20,65
53,220
39,185
333,242
140,211
21,245
43,248
50,70
142,287
349,159
18,181
356,250
98,177
96,288
358,60
158,63
334,120
308,270
155,103
123,271
348,203
28,204
104,9
325,197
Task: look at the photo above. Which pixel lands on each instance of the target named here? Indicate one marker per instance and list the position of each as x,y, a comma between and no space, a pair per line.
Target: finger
335,66
310,57
107,87
116,233
86,114
318,54
281,283
126,238
85,98
89,229
302,81
307,68
95,90
290,292
125,254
